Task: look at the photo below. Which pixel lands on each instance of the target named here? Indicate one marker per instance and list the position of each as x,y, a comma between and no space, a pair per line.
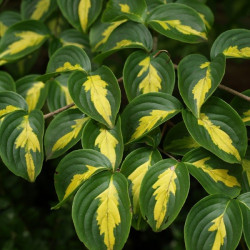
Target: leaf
233,43
7,19
215,222
215,175
10,102
33,91
143,73
164,190
81,13
244,202
74,169
21,39
147,112
107,141
38,9
152,139
198,79
178,140
242,107
219,129
6,82
246,171
134,168
125,9
21,147
188,28
101,211
96,94
64,132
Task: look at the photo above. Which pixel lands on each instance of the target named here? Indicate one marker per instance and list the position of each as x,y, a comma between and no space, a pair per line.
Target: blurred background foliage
26,219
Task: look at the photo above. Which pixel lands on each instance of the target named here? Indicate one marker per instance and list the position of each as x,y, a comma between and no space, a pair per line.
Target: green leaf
178,140
6,82
8,18
152,4
97,94
152,139
246,171
33,91
75,168
188,28
144,73
219,129
215,175
64,132
134,168
244,201
21,147
37,9
125,9
147,112
198,79
233,43
215,222
107,141
101,211
21,39
80,13
164,190
242,107
10,102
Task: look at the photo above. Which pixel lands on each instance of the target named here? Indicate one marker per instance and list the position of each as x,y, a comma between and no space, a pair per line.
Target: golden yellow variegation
8,109
67,66
41,8
125,43
83,12
3,28
67,94
124,8
246,116
234,51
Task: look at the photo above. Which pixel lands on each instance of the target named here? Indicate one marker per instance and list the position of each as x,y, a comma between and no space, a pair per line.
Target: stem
58,110
167,154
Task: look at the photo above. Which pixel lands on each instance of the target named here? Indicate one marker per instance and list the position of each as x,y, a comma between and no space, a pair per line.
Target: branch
58,110
167,154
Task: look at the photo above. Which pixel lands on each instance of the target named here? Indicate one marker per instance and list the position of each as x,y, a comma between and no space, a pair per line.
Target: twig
175,66
167,154
161,51
119,80
58,110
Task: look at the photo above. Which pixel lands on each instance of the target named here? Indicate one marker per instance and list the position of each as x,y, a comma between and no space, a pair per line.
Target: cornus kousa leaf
21,39
75,168
178,22
233,43
8,18
215,175
219,129
10,102
33,91
163,192
125,9
38,9
147,112
6,82
144,73
80,13
215,222
21,146
101,211
134,167
198,79
107,141
97,94
178,140
242,107
244,201
63,132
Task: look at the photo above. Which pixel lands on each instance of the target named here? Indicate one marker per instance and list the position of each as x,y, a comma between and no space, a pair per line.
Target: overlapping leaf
21,39
80,13
63,132
178,140
21,147
143,73
178,22
8,18
147,112
97,94
152,4
215,222
215,175
246,171
33,91
232,43
101,211
219,129
107,141
164,190
6,82
134,167
198,79
153,138
125,9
